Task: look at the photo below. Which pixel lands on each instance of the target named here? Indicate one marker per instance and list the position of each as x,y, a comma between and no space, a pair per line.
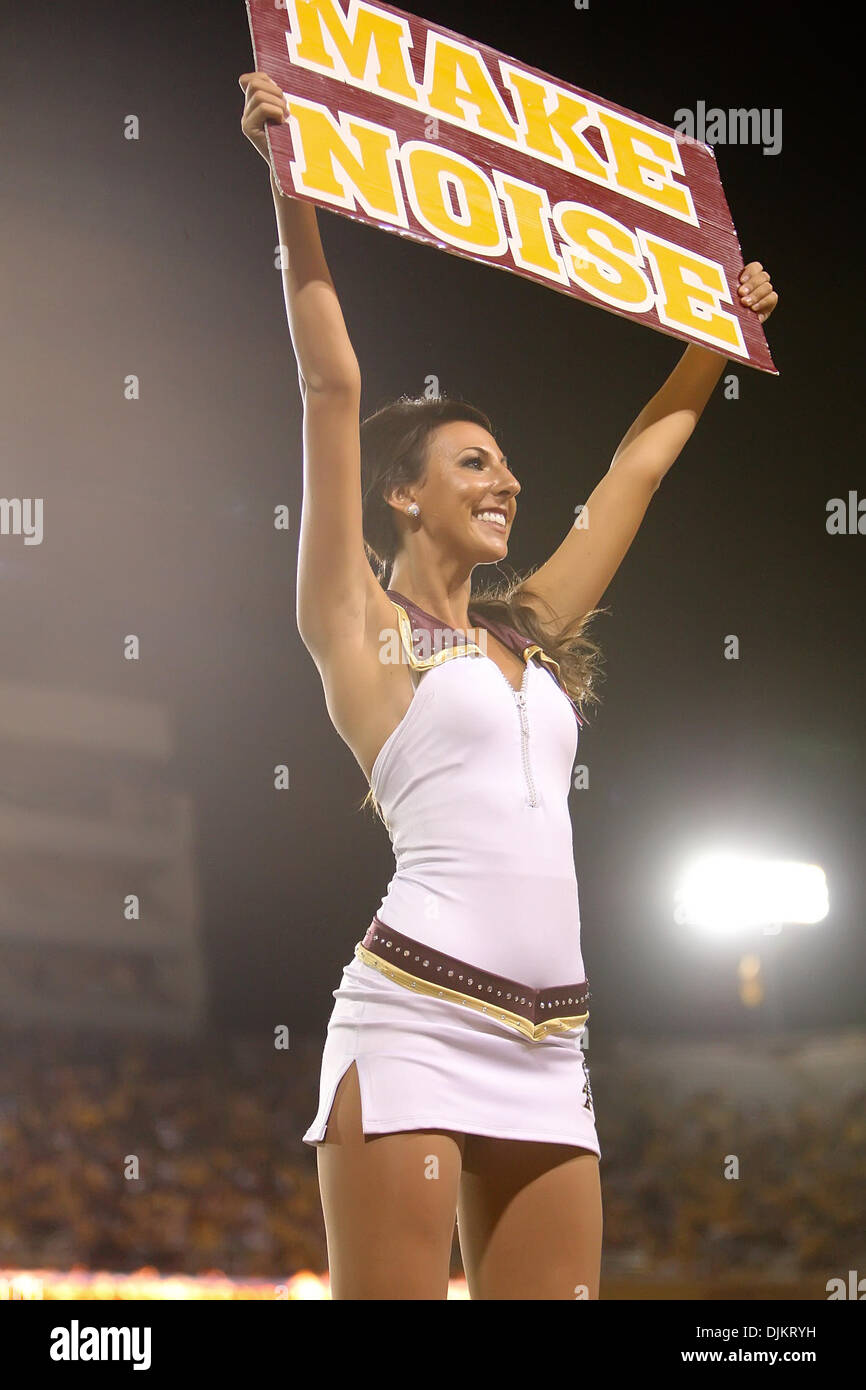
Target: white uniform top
473,784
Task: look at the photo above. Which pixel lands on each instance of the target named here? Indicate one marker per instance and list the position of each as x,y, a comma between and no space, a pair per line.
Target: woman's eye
475,459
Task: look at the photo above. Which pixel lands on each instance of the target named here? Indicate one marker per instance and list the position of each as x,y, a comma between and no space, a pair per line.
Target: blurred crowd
710,1187
187,1156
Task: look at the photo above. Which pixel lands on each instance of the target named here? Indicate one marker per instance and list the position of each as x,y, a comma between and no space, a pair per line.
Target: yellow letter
370,169
617,279
537,126
528,210
638,174
430,174
350,57
689,288
447,61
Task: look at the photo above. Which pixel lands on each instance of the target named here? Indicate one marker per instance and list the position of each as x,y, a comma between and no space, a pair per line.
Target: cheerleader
453,1081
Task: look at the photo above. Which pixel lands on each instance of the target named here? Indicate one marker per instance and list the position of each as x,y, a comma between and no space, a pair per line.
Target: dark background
156,257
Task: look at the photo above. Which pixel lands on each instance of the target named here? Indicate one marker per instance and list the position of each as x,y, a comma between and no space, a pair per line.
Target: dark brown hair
394,444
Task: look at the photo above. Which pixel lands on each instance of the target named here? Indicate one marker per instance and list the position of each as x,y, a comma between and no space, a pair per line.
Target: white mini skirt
428,1063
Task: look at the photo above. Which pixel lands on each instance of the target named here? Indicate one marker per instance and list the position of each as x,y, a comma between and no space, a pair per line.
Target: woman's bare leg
529,1220
390,1204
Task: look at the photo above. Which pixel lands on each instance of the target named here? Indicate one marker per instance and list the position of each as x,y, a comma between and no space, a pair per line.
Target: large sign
411,128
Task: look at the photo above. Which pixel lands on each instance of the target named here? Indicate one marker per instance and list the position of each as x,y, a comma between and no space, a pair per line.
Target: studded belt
533,1012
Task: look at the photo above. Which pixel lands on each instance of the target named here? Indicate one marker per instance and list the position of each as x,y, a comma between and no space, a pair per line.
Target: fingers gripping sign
264,101
756,290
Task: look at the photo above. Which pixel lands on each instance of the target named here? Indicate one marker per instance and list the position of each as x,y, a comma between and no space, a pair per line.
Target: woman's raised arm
324,352
334,575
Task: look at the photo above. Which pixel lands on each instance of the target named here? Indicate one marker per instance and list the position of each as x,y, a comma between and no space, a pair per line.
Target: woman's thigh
529,1220
389,1202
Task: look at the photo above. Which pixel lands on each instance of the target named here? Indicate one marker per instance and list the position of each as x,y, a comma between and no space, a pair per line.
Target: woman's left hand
756,291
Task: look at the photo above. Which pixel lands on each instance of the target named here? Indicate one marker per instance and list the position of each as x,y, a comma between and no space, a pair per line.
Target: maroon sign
412,128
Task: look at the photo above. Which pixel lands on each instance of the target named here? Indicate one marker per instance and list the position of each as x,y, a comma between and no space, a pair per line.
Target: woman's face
466,475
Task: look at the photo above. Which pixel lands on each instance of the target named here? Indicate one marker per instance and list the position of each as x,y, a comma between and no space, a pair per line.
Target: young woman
453,1081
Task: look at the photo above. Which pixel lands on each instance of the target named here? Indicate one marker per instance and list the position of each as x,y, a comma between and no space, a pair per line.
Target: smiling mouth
500,526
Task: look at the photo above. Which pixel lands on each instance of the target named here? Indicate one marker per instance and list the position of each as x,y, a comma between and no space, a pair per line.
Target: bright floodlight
726,893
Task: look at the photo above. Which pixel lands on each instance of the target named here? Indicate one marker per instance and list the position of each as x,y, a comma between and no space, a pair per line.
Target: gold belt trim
533,1031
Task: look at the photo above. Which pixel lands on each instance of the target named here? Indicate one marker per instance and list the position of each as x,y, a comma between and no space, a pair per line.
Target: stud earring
413,509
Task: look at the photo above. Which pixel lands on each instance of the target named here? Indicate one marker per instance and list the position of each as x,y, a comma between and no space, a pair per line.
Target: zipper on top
520,699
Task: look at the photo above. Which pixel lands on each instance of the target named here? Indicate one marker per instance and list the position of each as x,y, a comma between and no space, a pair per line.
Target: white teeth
492,516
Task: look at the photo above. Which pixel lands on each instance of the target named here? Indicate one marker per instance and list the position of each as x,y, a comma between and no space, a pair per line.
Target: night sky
156,257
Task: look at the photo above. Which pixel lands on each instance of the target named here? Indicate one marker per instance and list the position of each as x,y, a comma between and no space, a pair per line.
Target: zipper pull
521,705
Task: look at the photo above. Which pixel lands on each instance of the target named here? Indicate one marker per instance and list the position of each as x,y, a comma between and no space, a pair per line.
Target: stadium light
725,893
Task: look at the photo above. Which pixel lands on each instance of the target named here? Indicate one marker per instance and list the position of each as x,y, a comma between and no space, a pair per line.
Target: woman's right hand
264,102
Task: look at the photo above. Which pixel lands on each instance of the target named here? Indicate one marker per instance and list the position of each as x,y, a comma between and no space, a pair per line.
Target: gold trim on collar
425,663
529,1030
530,652
419,663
